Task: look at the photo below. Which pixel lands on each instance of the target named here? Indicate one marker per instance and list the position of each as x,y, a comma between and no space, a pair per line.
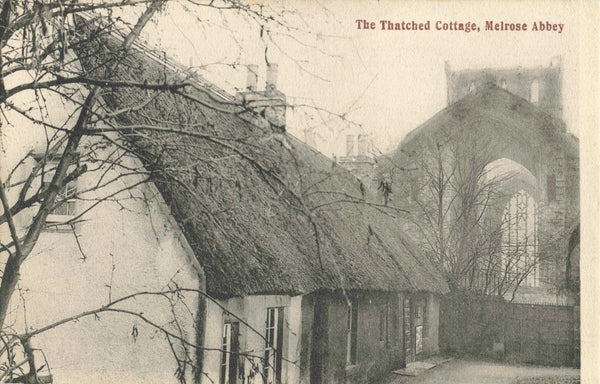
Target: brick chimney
270,103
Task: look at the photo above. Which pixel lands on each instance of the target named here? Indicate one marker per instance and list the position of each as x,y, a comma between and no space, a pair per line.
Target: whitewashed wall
131,246
253,310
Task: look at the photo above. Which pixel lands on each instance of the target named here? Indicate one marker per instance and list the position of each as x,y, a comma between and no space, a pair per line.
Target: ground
460,371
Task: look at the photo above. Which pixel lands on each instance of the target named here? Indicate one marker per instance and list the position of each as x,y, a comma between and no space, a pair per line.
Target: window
351,333
65,200
471,86
273,345
384,324
65,203
534,92
519,239
503,84
229,354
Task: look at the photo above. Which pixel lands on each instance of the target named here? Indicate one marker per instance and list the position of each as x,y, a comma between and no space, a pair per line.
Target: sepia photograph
298,192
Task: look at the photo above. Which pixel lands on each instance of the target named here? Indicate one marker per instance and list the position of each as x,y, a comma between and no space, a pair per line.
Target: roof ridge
155,55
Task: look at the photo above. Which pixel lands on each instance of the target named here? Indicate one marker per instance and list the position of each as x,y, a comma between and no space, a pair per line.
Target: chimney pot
271,77
252,78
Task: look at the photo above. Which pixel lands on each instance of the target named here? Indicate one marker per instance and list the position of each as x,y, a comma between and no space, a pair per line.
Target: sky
384,83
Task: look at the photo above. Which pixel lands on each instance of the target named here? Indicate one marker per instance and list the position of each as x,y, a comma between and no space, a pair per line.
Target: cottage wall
326,335
122,256
431,339
253,311
375,356
126,245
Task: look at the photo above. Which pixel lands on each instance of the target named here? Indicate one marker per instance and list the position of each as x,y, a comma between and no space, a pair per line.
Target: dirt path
477,372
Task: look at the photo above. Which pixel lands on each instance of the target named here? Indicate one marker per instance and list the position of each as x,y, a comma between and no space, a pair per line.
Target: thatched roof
264,213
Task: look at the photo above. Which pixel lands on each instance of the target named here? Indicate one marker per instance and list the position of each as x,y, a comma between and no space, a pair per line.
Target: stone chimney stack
252,77
270,104
358,158
271,83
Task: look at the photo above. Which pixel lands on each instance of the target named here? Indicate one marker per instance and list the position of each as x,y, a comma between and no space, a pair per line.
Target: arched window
519,239
534,92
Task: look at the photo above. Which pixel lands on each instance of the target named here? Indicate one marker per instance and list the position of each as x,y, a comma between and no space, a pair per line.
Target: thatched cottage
304,276
313,281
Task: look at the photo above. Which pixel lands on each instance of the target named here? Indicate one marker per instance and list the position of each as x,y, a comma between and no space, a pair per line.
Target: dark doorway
318,356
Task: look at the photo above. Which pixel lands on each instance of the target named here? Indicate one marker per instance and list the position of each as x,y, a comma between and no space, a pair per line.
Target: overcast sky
388,82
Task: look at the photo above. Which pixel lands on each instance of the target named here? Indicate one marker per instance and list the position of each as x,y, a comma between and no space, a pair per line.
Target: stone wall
538,334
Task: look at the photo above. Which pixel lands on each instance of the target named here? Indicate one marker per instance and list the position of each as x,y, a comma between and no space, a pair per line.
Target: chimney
271,84
252,78
363,145
270,103
350,139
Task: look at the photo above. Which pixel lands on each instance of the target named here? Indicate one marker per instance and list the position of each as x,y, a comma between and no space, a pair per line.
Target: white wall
129,246
253,310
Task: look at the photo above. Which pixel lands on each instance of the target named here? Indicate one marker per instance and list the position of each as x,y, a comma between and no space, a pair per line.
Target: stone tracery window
519,238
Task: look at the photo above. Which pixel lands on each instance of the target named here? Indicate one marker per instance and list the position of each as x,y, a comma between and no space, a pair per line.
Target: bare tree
117,130
457,205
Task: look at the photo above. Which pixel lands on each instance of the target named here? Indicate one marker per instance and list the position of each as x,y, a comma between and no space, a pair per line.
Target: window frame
352,333
384,324
520,238
69,190
534,92
273,353
228,365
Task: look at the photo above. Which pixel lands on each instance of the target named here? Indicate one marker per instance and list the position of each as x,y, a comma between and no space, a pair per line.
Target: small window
65,200
551,187
471,86
65,203
351,332
503,84
534,94
384,326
